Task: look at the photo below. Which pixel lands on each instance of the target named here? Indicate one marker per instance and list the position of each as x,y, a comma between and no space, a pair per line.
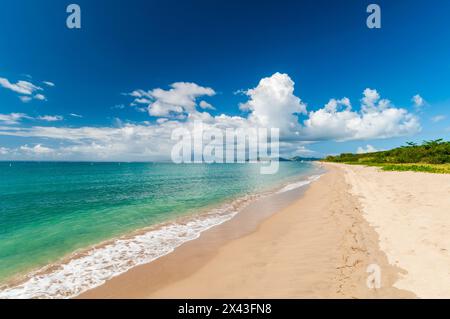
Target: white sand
411,213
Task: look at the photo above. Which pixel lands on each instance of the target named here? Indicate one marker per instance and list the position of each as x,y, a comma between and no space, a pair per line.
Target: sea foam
299,184
95,266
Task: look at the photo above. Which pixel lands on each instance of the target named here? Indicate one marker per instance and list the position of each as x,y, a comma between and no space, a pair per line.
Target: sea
67,227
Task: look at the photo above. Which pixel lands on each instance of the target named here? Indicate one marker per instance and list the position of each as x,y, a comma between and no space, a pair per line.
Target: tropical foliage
430,156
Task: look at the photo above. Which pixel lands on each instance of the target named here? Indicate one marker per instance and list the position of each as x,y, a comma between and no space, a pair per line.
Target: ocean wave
299,184
99,264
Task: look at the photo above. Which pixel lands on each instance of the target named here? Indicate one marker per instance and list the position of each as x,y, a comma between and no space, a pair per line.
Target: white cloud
25,99
369,149
376,119
141,100
127,142
37,149
372,102
13,118
334,104
39,97
180,98
206,106
4,151
240,92
51,84
438,118
161,120
418,101
142,109
138,93
26,90
50,118
21,87
295,149
76,115
178,101
273,103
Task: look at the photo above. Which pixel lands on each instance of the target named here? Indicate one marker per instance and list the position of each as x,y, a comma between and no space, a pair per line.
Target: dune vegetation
430,156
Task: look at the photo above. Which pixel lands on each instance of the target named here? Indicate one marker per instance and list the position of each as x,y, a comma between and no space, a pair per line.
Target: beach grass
415,167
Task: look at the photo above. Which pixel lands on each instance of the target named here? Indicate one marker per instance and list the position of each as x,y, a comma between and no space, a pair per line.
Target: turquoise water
48,210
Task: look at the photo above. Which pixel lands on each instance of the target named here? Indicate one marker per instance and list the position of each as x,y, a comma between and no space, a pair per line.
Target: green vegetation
431,156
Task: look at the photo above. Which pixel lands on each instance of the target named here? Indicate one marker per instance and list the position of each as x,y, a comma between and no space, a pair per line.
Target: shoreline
319,246
199,251
189,228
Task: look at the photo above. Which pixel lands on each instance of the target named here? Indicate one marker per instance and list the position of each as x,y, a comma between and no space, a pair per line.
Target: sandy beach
410,211
319,246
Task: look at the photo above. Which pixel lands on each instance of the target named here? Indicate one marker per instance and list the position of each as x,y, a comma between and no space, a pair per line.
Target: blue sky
324,47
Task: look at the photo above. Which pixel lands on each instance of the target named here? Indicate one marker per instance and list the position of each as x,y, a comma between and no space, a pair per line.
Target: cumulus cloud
370,99
206,106
272,103
178,101
333,104
369,149
418,101
376,119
